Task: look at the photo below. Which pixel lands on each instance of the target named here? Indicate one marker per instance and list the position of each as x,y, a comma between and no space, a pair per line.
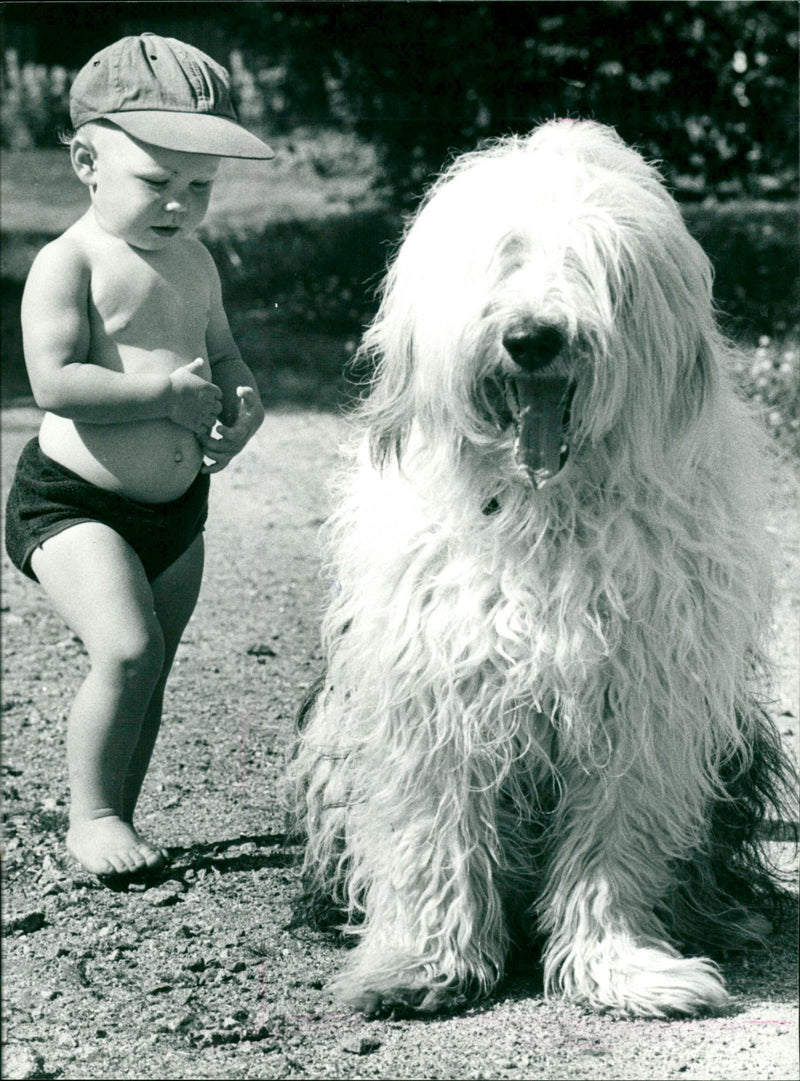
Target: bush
769,376
754,249
708,87
35,103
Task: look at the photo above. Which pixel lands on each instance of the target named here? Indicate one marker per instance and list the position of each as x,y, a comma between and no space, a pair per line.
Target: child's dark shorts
46,498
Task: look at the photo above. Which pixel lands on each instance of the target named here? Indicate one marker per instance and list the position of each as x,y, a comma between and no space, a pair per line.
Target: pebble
179,1021
167,894
261,649
363,1046
20,1064
32,921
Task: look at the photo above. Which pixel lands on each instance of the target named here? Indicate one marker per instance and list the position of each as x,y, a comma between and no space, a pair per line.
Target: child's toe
153,857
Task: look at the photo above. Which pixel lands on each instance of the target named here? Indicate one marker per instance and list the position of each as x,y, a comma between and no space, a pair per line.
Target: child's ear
82,154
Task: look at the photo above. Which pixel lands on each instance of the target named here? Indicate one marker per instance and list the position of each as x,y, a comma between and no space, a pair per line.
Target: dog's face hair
585,330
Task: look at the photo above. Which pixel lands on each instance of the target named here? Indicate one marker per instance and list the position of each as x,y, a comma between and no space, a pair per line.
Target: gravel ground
198,975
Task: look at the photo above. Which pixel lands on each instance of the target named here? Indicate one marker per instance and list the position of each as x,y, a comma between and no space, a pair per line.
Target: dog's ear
698,389
700,351
387,445
389,408
675,351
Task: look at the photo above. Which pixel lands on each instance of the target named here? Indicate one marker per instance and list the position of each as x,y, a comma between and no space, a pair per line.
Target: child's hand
195,403
224,443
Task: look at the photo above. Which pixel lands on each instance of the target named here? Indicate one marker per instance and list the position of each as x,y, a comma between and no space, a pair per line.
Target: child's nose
174,205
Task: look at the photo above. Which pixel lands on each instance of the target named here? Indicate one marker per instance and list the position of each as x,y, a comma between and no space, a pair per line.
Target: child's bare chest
151,306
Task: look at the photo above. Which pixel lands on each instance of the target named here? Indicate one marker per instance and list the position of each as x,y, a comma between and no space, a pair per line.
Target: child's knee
136,656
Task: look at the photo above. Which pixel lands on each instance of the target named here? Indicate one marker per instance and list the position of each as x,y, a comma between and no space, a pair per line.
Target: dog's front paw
643,982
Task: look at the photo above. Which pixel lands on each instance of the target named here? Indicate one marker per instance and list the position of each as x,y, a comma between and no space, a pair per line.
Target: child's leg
98,585
175,593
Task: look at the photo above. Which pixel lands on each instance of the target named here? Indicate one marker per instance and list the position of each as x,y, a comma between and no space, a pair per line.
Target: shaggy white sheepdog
539,720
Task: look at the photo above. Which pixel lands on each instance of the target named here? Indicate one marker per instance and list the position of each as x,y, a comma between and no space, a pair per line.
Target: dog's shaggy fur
549,594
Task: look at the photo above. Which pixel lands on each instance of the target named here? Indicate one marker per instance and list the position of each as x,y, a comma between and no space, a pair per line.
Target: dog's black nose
534,349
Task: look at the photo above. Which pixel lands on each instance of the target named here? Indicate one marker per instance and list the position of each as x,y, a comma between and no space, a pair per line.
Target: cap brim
193,133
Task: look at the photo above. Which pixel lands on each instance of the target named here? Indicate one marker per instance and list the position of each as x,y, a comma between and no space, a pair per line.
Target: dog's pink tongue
540,437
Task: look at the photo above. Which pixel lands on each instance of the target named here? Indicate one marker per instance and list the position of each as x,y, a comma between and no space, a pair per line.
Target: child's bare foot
109,846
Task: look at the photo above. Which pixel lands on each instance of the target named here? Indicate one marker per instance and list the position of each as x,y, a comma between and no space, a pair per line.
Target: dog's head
547,303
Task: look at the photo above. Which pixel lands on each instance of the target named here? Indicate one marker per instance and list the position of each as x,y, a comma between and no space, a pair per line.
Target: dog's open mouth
540,407
539,395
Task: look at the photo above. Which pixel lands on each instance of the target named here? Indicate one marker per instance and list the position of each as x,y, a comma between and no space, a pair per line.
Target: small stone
20,1063
179,1021
363,1046
166,894
261,649
32,921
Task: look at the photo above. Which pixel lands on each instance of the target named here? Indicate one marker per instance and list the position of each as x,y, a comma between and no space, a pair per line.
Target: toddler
129,353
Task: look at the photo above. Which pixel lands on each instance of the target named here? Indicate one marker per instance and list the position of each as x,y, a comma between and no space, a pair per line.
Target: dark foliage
710,87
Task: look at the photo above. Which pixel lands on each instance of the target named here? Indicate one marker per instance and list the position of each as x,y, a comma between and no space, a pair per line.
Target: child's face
143,194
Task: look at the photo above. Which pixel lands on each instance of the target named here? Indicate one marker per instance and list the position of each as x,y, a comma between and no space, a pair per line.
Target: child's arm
242,411
56,339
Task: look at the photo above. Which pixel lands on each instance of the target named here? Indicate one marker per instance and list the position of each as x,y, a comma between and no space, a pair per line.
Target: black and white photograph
400,596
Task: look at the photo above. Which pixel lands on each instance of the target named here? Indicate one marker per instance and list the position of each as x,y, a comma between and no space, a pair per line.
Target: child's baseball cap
165,93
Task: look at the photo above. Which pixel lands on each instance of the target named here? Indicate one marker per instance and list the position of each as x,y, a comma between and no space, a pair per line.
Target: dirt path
198,976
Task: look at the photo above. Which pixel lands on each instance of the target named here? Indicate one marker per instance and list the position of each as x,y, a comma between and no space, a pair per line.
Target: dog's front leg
619,839
433,935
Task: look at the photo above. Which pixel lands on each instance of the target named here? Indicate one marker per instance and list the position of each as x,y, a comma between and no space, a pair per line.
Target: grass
769,376
311,177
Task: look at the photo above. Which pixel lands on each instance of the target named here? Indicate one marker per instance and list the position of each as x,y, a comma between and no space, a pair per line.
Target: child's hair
66,136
